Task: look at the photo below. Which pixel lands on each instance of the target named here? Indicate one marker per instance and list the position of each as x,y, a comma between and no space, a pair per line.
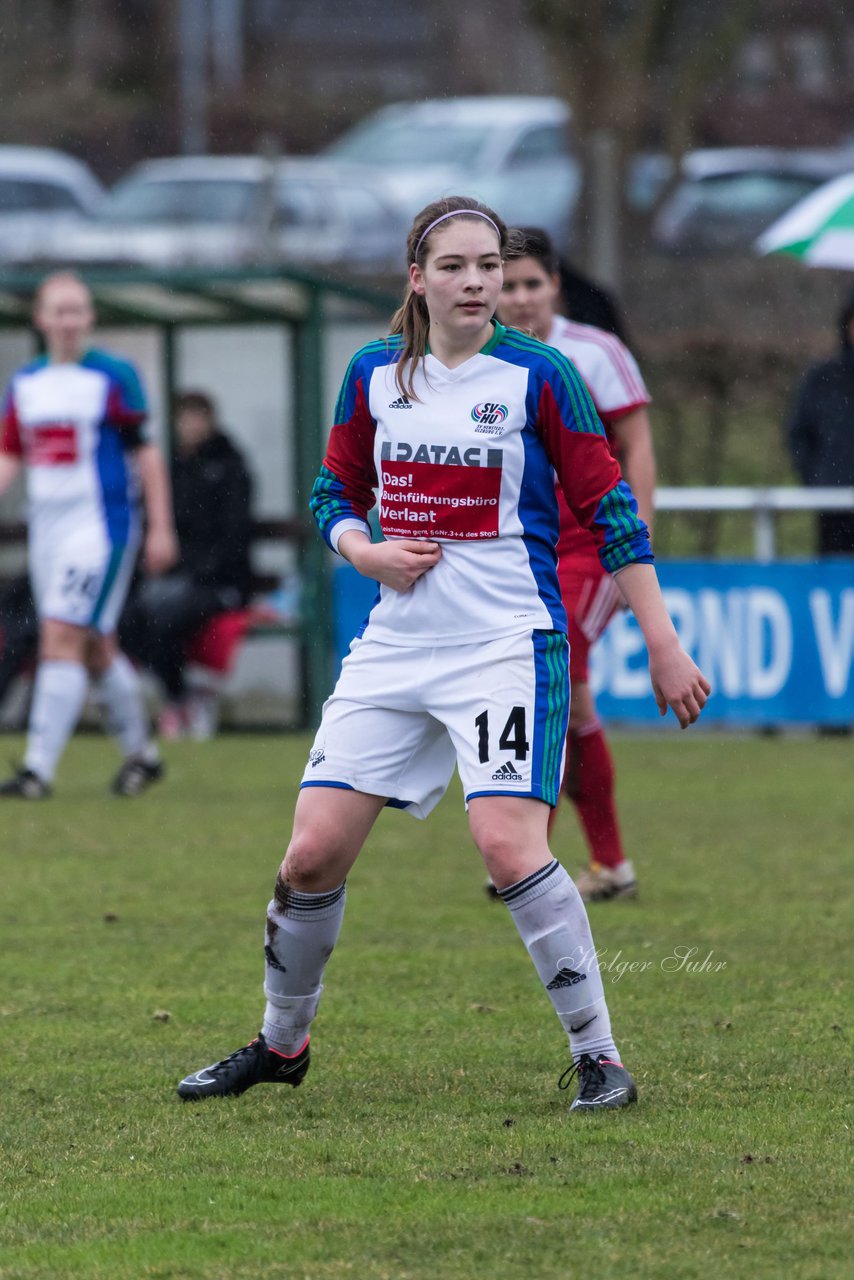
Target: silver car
241,210
44,194
513,152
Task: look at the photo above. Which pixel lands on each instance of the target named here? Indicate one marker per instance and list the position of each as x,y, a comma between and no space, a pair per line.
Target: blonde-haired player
74,420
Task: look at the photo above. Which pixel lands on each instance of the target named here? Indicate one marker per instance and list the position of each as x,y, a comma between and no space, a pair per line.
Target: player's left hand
678,683
160,552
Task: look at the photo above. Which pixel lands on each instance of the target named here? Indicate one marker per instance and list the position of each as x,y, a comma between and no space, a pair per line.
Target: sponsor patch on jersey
51,445
435,500
490,417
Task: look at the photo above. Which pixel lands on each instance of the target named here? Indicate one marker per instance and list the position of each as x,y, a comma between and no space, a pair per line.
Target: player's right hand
161,550
398,563
678,683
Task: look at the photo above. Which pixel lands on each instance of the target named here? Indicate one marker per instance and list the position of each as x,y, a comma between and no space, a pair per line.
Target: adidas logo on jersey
507,774
402,402
566,978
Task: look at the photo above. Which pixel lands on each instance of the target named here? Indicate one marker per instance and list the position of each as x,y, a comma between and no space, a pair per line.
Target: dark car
727,197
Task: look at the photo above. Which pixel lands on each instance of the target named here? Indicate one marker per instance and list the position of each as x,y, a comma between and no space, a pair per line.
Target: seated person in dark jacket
19,629
821,435
211,494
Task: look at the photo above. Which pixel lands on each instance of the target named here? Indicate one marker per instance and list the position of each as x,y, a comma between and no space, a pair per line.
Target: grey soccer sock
120,695
301,932
548,912
58,698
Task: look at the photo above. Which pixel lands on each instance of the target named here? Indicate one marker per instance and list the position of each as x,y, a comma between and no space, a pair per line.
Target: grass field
429,1139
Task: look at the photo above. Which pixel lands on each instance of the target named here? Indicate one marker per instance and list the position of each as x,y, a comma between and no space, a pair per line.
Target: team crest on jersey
490,417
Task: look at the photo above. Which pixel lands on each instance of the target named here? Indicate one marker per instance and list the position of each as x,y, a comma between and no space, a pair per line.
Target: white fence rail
765,504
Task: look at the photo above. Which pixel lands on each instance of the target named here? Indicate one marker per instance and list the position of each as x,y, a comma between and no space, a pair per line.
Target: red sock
589,783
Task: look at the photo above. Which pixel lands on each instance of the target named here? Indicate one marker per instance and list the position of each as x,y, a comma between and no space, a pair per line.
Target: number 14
512,735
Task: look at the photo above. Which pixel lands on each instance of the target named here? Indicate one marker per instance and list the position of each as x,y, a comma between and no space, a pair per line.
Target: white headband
469,213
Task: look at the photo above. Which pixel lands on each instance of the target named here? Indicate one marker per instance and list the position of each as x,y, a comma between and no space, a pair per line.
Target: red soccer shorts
591,598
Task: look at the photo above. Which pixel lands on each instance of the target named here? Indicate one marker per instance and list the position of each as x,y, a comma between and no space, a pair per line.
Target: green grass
429,1139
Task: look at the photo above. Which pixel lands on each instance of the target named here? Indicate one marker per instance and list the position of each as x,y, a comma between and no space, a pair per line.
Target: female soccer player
75,421
462,660
590,595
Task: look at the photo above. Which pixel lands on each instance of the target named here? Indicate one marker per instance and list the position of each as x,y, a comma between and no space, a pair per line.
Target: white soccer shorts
82,580
400,719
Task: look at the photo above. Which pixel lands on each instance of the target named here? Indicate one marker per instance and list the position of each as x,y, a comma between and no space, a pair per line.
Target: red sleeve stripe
10,433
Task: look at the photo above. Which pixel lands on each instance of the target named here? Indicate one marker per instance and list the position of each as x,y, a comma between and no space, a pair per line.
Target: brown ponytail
412,319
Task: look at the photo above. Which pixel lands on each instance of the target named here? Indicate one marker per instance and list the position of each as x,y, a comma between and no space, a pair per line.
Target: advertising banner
776,640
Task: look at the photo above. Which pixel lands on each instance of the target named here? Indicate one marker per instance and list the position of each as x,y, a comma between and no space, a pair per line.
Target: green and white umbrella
819,229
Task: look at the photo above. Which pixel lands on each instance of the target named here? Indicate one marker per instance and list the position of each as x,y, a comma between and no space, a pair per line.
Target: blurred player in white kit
74,419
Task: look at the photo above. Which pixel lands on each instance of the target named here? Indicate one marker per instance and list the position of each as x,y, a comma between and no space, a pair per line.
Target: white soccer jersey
614,380
71,423
67,423
607,366
469,463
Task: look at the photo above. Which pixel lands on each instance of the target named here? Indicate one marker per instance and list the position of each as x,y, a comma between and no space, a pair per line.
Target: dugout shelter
271,344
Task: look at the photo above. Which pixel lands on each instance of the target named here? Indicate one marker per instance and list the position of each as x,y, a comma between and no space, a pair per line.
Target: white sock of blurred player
59,693
120,695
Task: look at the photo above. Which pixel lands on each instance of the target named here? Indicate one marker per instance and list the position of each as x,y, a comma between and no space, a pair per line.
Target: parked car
727,197
512,152
239,210
43,193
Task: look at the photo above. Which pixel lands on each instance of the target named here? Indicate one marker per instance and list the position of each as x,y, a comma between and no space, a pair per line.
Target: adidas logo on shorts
506,773
402,402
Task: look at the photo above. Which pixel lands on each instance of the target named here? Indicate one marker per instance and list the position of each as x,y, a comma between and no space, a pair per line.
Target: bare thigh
330,826
511,835
62,641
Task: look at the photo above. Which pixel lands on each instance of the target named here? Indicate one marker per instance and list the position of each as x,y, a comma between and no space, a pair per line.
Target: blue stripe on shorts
551,712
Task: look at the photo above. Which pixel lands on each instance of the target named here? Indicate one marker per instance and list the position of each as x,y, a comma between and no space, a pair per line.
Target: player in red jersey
590,595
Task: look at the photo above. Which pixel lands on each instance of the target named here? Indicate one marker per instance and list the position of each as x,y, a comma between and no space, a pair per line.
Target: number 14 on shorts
512,738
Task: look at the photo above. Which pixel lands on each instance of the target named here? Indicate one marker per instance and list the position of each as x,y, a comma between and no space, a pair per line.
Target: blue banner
776,640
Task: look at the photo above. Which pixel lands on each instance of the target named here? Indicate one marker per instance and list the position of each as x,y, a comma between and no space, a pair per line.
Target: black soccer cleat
602,1084
25,785
136,775
253,1064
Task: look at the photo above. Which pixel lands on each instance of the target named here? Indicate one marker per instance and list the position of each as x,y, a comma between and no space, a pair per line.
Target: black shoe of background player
136,775
256,1063
25,785
602,1084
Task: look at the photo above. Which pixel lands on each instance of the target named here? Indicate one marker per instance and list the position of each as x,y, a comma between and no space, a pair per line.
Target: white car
241,210
512,152
43,194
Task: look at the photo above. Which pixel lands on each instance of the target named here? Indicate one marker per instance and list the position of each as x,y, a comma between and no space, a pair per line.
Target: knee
507,859
493,843
307,864
63,642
